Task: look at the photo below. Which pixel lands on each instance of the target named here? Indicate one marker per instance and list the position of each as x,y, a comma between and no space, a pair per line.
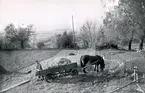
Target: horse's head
102,64
102,67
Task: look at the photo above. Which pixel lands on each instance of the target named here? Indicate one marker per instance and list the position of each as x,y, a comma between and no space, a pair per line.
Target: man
39,68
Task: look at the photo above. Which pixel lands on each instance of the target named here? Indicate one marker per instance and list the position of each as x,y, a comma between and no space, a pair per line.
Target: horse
92,60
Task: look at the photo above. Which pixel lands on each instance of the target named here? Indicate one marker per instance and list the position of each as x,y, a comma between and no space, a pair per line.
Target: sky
50,15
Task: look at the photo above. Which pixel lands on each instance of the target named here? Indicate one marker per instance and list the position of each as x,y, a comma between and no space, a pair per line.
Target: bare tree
88,33
20,34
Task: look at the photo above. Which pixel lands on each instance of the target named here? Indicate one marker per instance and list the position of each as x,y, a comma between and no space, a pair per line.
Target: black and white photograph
72,46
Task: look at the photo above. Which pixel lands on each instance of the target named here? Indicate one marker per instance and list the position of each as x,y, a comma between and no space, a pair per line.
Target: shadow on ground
89,77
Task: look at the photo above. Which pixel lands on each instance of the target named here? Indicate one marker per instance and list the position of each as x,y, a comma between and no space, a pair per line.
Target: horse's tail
82,61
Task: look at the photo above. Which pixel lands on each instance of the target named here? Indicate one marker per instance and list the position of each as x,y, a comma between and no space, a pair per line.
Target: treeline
16,37
123,25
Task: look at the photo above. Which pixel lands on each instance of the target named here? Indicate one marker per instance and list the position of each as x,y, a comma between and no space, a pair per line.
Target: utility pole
73,29
73,23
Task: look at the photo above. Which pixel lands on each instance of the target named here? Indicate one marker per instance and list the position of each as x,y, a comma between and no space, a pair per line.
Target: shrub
66,41
106,45
40,45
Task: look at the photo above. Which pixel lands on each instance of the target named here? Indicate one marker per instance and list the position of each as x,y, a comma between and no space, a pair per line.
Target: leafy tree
65,40
122,23
1,42
136,8
58,41
101,37
20,34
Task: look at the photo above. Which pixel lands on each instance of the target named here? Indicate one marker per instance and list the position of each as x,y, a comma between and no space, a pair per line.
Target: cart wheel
74,72
49,77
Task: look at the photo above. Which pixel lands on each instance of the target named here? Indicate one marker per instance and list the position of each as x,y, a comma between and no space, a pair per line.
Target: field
92,82
22,58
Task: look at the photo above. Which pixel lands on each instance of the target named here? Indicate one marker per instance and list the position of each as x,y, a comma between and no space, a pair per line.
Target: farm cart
58,71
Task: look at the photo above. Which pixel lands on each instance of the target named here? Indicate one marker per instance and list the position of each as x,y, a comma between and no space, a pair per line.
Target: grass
13,60
134,46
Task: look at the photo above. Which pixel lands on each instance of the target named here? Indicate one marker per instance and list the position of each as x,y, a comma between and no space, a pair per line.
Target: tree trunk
22,44
130,41
129,45
141,44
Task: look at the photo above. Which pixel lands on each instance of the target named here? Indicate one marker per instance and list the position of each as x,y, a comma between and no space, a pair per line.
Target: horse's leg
95,68
102,69
84,70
